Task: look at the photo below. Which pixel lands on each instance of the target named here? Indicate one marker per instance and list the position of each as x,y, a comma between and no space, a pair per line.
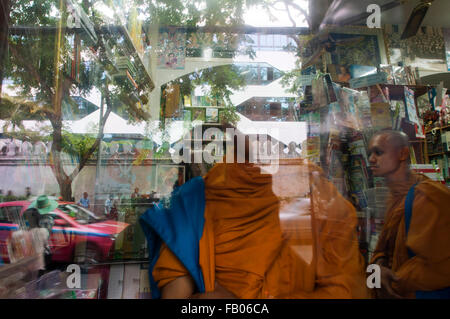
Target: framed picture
355,45
171,48
187,100
412,112
187,115
167,178
198,114
212,115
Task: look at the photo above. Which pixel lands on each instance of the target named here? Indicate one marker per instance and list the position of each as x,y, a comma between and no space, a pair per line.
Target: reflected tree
45,71
46,63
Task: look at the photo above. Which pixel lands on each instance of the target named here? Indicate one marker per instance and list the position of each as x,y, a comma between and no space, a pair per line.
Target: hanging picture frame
356,45
187,115
171,48
212,115
412,112
198,114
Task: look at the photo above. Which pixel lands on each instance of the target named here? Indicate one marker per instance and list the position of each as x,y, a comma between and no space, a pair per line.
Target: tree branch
302,11
98,140
289,14
290,3
31,107
296,40
31,70
55,152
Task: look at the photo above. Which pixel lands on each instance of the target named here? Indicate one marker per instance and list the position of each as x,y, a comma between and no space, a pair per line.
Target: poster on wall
346,112
171,48
412,112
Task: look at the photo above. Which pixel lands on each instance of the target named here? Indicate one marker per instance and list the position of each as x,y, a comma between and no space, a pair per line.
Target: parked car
78,235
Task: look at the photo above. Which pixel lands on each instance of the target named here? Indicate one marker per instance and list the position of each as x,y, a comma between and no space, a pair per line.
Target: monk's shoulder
433,192
215,175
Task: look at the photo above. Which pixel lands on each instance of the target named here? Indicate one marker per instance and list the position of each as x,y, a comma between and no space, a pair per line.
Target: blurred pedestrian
84,201
108,204
28,192
136,193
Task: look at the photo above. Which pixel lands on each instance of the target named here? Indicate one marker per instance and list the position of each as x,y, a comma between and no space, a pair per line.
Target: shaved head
389,155
396,138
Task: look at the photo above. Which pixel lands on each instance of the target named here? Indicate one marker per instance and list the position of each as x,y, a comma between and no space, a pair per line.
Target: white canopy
284,132
274,89
114,125
117,125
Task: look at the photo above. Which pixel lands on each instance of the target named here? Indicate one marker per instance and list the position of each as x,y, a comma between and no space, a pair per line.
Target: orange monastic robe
254,235
428,237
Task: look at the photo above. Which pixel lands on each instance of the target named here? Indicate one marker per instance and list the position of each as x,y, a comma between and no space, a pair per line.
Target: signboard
369,80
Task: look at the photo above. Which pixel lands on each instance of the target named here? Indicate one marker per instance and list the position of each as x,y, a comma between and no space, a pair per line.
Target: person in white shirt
108,205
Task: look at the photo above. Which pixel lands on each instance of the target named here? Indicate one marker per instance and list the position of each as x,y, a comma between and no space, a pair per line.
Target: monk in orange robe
429,230
250,251
288,234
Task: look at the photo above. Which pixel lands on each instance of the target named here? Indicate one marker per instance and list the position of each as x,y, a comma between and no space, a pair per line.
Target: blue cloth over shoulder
180,226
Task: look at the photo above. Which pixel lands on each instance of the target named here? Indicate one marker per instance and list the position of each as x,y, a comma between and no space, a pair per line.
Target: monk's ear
404,154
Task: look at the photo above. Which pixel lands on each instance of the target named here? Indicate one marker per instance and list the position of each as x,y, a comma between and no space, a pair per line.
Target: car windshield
80,214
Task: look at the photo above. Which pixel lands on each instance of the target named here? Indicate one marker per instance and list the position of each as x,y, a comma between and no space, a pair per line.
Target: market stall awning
284,132
114,125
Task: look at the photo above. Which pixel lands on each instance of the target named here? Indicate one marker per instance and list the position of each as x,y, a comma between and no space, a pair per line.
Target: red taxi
78,235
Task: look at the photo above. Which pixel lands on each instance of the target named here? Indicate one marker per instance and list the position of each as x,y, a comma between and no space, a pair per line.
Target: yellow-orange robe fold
250,248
